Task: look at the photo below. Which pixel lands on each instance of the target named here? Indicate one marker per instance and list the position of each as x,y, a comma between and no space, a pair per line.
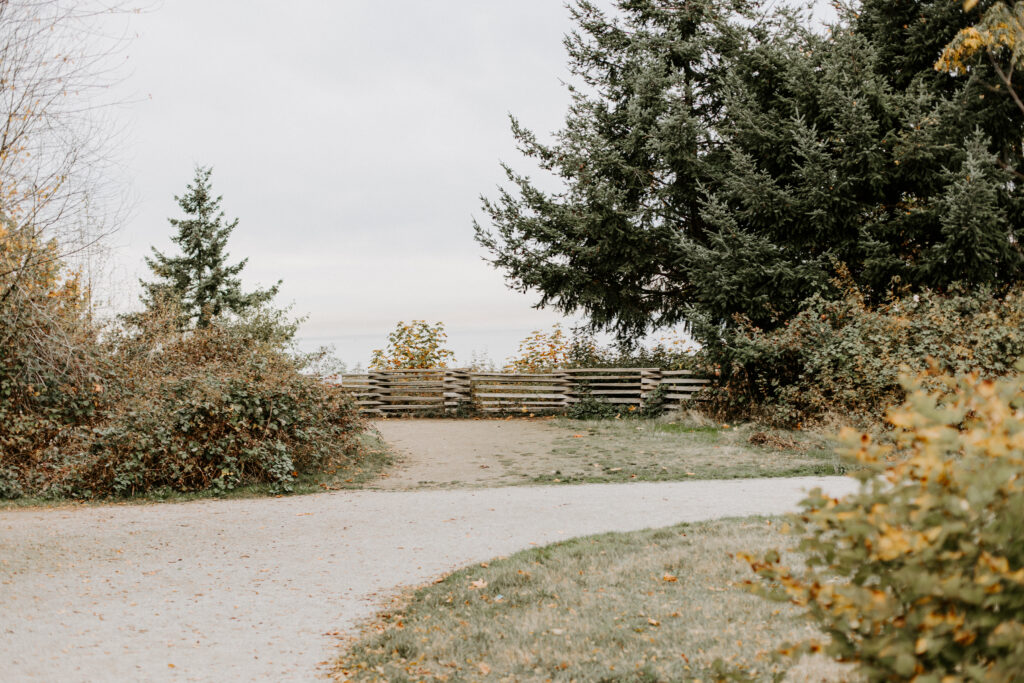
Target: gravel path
252,589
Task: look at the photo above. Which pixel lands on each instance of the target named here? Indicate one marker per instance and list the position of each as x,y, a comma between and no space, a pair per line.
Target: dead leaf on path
671,578
484,565
577,436
484,669
654,622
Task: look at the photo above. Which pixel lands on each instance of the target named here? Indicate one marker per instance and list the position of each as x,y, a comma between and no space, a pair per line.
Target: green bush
214,408
920,575
206,409
590,407
845,358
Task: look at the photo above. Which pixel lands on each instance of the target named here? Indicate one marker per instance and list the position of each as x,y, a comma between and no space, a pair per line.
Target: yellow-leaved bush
414,346
920,574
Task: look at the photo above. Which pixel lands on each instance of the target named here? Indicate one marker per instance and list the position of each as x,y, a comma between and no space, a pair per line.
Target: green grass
659,605
667,450
374,457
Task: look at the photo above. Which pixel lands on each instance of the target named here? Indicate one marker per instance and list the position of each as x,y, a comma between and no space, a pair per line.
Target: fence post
456,389
650,380
377,383
565,386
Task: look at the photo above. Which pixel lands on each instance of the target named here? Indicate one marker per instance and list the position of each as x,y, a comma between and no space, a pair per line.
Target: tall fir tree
200,281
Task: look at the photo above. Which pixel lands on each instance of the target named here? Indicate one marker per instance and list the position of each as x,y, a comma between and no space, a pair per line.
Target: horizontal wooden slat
519,408
510,396
512,375
408,390
687,382
607,378
412,399
407,371
408,407
592,370
518,387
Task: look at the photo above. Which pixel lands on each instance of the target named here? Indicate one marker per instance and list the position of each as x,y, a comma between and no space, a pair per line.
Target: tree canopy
721,161
200,281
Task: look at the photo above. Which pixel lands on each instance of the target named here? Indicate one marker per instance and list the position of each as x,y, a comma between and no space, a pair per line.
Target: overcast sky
352,139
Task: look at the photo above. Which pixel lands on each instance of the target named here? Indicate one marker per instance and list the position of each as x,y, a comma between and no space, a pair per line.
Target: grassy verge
662,450
373,457
659,605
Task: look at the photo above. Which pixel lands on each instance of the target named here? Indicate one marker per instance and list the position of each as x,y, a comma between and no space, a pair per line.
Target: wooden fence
439,390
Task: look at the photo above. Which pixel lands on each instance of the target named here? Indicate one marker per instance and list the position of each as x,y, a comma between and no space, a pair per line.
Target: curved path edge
254,589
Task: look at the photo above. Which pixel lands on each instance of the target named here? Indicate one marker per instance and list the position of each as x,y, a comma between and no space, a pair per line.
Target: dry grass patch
672,450
660,605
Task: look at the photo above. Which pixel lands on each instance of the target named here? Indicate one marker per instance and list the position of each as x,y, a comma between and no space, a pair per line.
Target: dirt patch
466,452
477,453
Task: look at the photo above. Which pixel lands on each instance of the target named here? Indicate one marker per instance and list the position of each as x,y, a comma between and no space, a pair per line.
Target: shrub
53,374
546,351
415,345
921,573
590,407
541,351
214,408
843,357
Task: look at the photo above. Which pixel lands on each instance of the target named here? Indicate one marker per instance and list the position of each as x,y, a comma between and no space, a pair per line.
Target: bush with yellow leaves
920,574
415,345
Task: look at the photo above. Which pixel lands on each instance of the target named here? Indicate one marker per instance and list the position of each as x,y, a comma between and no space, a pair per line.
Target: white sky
352,139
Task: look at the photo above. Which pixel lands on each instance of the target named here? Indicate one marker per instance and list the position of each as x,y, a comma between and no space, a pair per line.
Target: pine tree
722,167
639,141
200,281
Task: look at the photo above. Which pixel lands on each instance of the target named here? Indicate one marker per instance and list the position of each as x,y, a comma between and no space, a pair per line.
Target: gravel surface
257,589
452,453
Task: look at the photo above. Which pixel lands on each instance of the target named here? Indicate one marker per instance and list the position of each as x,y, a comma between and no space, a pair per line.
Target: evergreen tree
200,281
721,166
640,140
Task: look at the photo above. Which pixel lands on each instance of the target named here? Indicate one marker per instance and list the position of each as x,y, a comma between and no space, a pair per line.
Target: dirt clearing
442,453
447,453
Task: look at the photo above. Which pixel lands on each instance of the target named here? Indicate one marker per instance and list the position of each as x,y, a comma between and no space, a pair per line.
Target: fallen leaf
654,622
484,669
671,578
479,583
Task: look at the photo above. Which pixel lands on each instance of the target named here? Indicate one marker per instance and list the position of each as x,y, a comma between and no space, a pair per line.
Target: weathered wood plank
517,396
593,370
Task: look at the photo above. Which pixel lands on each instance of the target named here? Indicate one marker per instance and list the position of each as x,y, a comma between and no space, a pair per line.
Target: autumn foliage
542,351
920,575
414,345
149,406
842,358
